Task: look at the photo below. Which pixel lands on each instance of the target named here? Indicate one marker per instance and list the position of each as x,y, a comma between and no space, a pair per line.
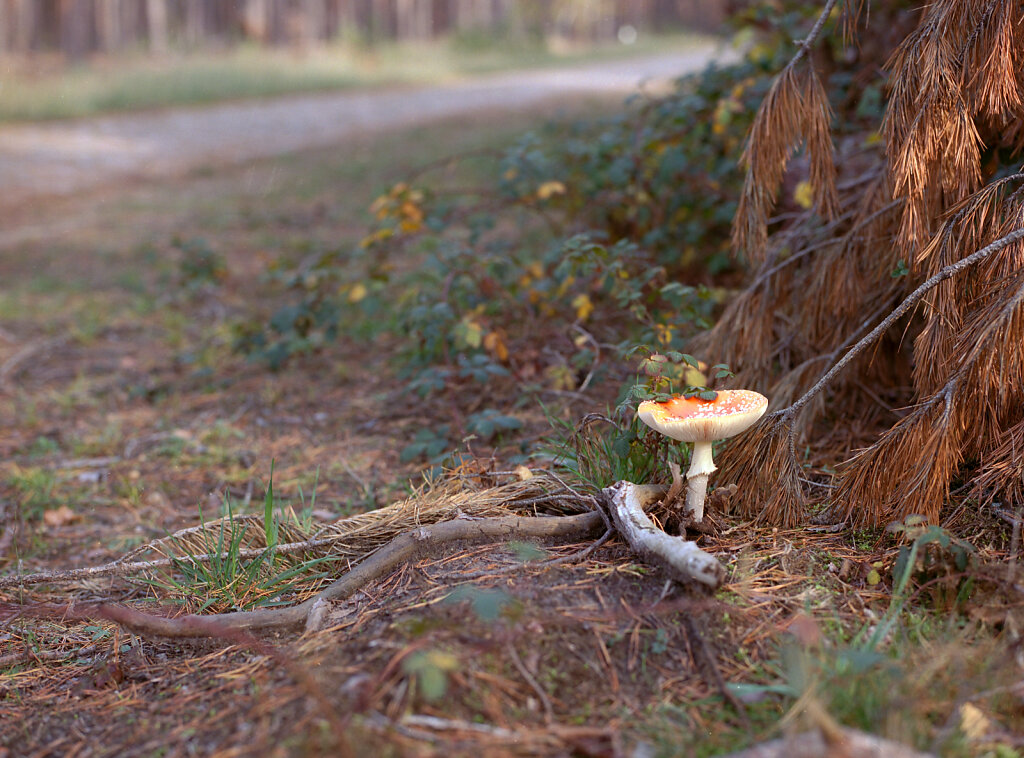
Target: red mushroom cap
690,419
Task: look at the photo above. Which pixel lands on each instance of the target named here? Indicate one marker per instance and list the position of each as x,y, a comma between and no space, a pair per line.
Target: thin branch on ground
399,550
707,662
120,567
549,713
11,366
855,744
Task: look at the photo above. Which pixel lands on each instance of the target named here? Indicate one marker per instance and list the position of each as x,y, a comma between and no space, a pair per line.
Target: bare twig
855,744
909,302
27,655
808,42
549,713
11,366
121,567
706,660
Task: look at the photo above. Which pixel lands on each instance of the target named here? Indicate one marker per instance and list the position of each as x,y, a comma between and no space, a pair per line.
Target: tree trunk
108,24
253,20
74,29
5,14
345,24
195,22
25,16
156,26
412,19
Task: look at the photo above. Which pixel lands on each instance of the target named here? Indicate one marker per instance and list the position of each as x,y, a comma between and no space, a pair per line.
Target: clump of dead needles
900,281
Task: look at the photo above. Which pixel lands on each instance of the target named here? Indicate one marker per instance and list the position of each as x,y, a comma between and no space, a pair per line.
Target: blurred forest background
77,28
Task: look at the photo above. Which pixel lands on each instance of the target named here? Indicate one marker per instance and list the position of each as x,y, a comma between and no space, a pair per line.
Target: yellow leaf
442,660
583,307
375,237
561,377
804,194
494,344
523,472
357,292
695,376
973,723
412,212
549,189
760,52
469,333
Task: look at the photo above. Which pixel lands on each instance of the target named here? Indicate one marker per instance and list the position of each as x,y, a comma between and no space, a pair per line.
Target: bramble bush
592,237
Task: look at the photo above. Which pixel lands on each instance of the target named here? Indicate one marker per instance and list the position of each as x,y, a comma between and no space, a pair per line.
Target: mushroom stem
701,467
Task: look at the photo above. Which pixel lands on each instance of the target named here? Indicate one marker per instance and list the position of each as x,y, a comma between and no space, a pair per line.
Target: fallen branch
399,550
13,364
681,559
853,744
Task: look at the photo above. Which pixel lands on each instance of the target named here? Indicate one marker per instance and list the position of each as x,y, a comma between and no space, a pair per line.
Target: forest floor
125,416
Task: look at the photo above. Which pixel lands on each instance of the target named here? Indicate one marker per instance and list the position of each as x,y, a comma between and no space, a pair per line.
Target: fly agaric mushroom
692,419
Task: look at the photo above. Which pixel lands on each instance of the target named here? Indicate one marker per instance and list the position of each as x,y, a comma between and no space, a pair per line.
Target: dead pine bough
885,317
379,542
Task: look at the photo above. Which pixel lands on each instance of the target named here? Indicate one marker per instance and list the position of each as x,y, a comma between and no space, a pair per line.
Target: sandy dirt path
62,158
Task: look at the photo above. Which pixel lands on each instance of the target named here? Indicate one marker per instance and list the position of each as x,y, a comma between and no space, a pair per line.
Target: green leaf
487,604
269,523
707,395
527,551
690,360
433,683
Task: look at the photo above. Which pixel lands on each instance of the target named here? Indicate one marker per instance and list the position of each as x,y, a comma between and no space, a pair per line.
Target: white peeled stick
682,560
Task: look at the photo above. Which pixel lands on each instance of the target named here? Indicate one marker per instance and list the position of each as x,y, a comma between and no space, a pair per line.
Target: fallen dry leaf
59,516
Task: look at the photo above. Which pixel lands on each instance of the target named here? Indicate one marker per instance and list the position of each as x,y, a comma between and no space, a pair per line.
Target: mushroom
692,419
